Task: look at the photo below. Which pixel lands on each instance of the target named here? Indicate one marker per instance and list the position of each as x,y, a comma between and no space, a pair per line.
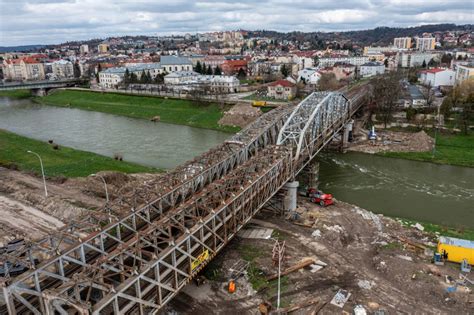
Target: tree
385,62
160,78
203,69
198,67
284,70
209,70
386,93
328,82
423,65
446,58
241,74
143,77
462,98
76,70
316,61
432,63
126,77
217,71
148,77
133,78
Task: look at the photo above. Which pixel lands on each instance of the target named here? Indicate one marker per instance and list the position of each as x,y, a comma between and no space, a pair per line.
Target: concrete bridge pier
346,135
39,92
291,196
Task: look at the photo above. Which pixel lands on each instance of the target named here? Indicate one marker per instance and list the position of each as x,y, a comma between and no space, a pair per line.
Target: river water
137,140
422,191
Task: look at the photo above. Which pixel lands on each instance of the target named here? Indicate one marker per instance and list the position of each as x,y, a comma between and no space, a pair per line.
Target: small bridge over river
179,222
39,88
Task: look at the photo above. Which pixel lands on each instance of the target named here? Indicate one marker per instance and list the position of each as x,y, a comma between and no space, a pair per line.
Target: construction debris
340,299
298,306
264,234
303,263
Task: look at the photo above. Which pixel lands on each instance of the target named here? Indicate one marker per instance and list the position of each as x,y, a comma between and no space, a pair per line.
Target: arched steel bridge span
140,261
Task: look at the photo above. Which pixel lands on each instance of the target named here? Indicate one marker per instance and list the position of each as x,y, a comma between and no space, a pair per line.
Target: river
137,140
421,191
440,194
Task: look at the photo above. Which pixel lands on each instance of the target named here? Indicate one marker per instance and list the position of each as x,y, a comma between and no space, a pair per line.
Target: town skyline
26,23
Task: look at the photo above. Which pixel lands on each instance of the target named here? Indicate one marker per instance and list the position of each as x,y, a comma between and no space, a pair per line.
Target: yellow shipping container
457,249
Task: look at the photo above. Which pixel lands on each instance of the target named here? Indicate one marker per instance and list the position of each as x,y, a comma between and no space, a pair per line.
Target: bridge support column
291,196
39,92
346,135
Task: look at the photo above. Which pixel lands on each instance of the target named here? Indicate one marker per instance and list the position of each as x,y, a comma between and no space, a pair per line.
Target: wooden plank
304,263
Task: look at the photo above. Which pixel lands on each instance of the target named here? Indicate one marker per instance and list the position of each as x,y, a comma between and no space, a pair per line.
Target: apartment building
402,42
103,48
356,61
23,69
174,63
62,69
189,80
371,69
464,72
425,43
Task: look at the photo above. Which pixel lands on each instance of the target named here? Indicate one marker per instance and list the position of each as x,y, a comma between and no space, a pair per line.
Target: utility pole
42,172
278,254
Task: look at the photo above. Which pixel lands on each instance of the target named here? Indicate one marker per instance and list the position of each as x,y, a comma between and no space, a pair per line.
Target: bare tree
385,95
328,82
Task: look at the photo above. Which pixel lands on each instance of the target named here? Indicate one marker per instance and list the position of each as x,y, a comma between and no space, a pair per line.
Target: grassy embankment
450,149
467,234
16,94
181,112
63,162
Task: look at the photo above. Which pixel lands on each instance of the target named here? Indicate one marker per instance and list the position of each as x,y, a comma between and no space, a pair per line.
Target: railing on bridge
141,261
43,84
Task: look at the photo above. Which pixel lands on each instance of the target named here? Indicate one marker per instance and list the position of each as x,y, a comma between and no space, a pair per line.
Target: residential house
437,77
372,68
231,67
282,90
309,76
112,77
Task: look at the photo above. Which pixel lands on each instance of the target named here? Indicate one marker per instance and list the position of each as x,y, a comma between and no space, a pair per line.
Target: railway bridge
176,224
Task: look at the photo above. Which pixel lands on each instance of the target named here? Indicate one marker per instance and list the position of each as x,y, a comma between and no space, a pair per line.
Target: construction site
229,232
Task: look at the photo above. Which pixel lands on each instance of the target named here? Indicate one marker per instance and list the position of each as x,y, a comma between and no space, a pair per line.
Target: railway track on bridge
140,262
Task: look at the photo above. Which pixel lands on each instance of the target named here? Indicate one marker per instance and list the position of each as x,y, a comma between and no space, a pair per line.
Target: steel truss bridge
140,261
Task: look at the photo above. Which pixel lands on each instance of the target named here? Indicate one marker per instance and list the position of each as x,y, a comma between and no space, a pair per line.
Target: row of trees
460,101
202,69
144,78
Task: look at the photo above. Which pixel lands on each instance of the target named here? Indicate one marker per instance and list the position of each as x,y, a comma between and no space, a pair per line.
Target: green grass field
16,94
181,112
450,149
66,161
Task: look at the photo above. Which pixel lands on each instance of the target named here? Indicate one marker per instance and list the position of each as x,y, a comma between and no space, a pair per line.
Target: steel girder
77,246
151,268
311,118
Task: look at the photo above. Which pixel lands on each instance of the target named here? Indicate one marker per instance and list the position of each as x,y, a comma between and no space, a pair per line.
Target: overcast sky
56,21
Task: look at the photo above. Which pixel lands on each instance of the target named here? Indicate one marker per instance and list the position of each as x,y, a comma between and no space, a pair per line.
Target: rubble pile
240,115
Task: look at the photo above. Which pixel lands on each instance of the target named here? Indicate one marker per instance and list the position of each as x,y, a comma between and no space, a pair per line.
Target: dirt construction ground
364,253
382,264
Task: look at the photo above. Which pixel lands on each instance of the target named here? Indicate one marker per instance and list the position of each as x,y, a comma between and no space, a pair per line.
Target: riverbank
450,149
16,94
180,112
64,161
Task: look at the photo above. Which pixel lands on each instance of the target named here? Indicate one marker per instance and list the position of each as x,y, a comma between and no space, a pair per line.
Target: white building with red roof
438,77
281,90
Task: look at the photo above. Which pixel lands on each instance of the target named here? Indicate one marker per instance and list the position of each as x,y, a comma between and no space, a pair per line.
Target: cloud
55,21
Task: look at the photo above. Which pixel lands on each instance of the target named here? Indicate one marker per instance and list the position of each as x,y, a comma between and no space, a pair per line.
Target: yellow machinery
457,249
259,103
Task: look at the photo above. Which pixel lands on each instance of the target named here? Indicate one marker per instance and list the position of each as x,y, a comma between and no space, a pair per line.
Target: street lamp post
105,185
42,172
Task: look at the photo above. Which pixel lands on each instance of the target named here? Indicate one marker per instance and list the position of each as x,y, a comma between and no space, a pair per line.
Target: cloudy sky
55,21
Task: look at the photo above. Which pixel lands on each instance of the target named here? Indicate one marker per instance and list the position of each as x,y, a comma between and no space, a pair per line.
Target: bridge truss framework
141,261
